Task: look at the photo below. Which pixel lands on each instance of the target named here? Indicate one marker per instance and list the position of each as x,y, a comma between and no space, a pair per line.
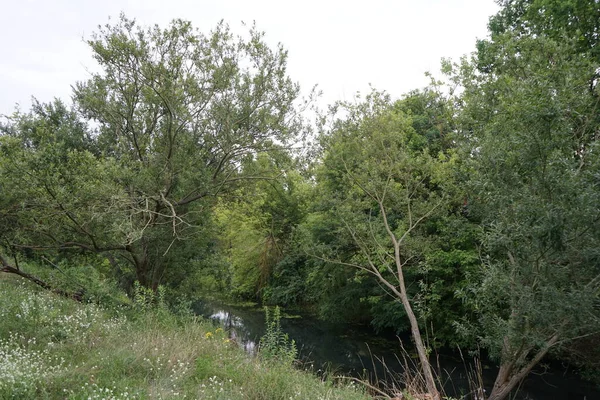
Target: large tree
172,115
531,124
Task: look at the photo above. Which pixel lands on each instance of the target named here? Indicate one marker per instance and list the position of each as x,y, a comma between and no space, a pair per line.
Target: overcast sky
340,45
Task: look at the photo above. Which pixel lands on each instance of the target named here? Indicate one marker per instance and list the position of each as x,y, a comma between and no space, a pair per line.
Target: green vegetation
465,213
56,348
275,344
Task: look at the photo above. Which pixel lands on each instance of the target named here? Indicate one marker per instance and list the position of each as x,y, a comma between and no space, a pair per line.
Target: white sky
340,45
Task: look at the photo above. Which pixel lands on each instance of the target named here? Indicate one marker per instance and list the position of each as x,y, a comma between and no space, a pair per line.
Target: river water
334,348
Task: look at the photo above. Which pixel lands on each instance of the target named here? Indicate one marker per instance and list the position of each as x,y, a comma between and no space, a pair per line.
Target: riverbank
55,348
359,351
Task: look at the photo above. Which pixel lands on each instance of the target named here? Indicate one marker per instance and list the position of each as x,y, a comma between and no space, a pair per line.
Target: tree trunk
12,270
504,383
507,379
416,334
141,263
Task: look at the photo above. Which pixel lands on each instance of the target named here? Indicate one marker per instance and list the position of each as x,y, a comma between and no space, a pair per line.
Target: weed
276,345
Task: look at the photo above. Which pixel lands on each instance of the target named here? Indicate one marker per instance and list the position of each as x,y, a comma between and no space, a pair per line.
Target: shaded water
334,348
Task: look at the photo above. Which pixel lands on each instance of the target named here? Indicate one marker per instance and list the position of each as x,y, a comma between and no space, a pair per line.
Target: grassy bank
55,348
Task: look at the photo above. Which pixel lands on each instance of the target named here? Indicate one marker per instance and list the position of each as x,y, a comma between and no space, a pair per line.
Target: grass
56,348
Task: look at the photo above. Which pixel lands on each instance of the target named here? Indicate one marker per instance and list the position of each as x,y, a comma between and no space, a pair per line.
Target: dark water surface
336,348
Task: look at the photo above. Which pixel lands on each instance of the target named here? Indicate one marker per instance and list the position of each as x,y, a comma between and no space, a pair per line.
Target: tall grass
55,348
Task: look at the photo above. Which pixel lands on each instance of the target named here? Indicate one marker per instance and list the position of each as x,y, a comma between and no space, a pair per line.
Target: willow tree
173,112
531,120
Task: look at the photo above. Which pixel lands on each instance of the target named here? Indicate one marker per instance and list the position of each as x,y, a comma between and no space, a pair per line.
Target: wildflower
208,335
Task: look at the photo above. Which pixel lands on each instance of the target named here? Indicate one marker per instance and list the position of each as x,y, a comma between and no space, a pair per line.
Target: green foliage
145,298
276,345
451,260
535,192
333,291
555,19
390,160
86,276
383,186
257,226
530,125
175,113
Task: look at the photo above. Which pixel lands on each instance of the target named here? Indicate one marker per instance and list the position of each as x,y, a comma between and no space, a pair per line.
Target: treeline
469,209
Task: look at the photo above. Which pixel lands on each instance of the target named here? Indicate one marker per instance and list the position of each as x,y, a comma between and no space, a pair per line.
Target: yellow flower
218,330
208,335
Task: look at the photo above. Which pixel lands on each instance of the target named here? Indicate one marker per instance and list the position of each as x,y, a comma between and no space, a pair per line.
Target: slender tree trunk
416,334
414,326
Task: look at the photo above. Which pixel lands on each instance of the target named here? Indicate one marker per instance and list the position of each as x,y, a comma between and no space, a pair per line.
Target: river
334,348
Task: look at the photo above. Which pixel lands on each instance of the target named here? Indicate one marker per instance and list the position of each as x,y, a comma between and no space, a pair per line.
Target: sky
341,46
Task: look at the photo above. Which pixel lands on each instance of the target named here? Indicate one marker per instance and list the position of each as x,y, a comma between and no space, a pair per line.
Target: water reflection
237,329
329,348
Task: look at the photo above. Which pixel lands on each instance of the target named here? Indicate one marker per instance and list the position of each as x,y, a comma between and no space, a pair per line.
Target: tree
174,114
256,224
555,19
530,119
384,186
